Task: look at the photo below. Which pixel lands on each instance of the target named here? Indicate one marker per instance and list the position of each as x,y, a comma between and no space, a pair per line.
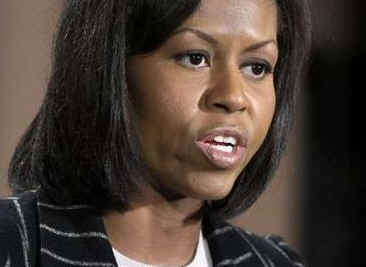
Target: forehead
237,17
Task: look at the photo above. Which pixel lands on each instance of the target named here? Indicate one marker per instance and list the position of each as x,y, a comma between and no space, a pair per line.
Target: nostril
221,106
229,108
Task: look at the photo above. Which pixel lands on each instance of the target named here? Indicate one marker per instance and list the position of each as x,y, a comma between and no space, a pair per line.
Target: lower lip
221,158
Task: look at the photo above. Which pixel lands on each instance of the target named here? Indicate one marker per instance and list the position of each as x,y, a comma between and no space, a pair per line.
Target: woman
161,120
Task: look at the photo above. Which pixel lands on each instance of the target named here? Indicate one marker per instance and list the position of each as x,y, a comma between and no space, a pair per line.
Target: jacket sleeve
18,231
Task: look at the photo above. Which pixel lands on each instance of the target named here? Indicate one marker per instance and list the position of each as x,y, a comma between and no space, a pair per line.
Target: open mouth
223,147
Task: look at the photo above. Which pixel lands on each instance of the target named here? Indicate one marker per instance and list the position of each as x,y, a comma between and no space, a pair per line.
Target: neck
158,232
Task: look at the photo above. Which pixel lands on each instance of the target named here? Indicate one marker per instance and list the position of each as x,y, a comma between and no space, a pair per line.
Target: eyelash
266,66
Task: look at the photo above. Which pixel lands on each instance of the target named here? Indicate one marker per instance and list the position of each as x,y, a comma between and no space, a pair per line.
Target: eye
257,70
193,60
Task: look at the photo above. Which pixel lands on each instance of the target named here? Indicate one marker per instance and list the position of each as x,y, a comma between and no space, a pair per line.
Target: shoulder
18,228
273,247
16,209
230,244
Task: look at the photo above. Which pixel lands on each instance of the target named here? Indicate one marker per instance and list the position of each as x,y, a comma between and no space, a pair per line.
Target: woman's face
206,98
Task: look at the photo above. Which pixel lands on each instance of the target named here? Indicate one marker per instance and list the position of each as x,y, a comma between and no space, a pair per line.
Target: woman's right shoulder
18,228
17,208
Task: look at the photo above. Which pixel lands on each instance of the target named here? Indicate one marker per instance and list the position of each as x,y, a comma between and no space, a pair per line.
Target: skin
178,98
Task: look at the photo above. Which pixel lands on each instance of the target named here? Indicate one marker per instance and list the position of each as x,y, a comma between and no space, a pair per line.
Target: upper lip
239,135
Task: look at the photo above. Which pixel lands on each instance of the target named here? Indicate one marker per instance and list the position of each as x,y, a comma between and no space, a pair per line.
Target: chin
214,195
211,191
199,185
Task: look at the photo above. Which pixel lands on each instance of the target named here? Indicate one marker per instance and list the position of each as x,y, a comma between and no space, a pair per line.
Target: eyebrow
208,38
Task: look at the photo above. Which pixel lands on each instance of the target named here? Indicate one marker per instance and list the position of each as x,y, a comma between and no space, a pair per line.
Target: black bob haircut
81,147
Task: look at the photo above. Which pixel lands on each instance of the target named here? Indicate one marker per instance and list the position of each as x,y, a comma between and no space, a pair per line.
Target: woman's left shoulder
272,248
231,244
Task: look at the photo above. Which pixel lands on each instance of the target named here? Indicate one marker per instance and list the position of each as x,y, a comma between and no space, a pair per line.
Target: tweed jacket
36,233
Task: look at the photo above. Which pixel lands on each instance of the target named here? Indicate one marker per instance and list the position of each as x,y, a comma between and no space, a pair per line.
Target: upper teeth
228,140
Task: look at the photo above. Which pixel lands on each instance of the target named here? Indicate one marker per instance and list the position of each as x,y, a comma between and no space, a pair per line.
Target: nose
226,93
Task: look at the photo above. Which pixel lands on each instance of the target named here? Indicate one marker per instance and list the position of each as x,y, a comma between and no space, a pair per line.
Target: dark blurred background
315,200
331,200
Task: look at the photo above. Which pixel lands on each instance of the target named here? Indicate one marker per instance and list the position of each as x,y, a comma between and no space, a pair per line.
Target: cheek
268,110
264,109
166,104
165,100
164,93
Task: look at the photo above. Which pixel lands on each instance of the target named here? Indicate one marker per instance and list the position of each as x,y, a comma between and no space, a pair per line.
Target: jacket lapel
230,245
